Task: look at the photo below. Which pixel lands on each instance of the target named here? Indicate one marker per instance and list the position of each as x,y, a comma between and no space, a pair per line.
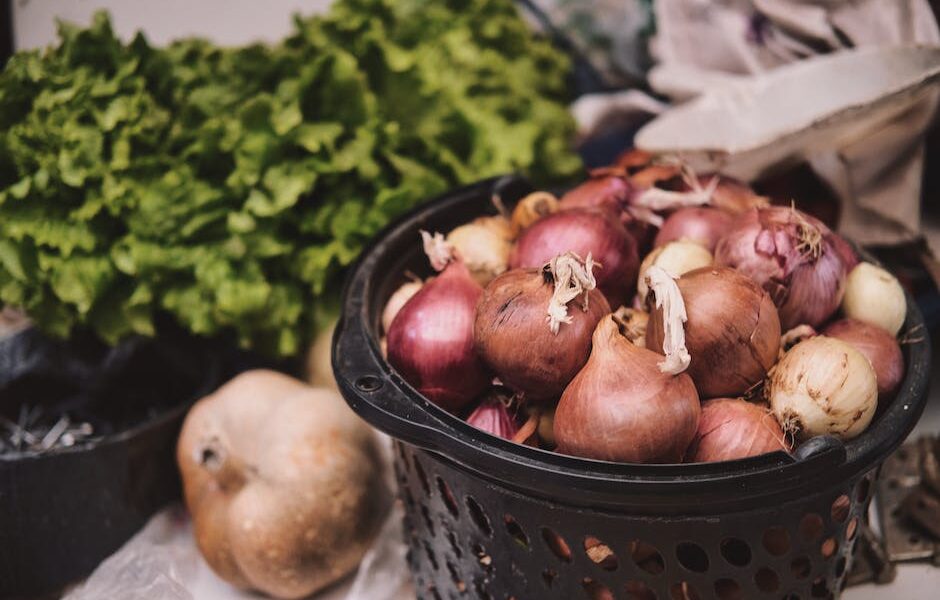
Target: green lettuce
230,187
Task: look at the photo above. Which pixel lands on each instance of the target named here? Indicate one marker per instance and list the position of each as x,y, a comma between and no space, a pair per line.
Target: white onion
823,386
484,246
874,296
676,258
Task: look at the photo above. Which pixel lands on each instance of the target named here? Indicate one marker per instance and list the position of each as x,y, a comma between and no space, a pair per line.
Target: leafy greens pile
228,187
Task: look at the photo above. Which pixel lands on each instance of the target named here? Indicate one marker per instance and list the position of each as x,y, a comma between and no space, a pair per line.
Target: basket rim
379,395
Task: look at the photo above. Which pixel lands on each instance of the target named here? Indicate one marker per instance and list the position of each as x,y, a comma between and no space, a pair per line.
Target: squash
283,483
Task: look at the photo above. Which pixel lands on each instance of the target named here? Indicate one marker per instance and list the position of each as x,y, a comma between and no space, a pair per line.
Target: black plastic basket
486,518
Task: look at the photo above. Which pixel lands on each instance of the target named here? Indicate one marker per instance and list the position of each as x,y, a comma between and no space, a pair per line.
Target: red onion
621,407
732,428
878,346
732,331
606,188
492,416
430,341
699,224
845,251
583,231
531,354
791,255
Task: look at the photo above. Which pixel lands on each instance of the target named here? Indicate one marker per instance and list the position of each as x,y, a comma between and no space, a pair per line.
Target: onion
672,185
733,428
621,407
792,256
430,341
533,326
874,296
845,251
530,209
607,188
633,160
732,331
632,323
397,300
794,336
546,427
484,246
698,224
492,416
583,231
823,386
676,258
878,346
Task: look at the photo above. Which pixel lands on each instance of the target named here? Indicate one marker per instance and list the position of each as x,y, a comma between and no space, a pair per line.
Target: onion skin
823,386
733,428
620,407
878,346
732,332
512,336
583,231
763,244
492,416
430,342
702,225
605,189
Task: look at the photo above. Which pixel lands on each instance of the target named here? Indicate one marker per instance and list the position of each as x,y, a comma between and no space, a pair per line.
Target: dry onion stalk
676,258
669,303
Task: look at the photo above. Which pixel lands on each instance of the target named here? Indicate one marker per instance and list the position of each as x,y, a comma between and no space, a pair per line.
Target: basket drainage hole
767,580
427,519
851,529
811,527
647,557
683,591
369,384
829,547
448,497
861,493
800,567
556,544
637,590
432,558
483,557
452,538
515,530
840,509
480,587
455,577
434,593
736,552
776,541
692,557
549,576
840,566
728,589
600,553
820,589
479,517
596,590
422,476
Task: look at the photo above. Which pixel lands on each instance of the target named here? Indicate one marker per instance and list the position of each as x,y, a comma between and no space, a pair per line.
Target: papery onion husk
620,407
513,336
699,224
493,416
583,231
397,300
791,255
823,386
430,341
729,195
875,296
484,246
530,209
878,346
732,333
733,428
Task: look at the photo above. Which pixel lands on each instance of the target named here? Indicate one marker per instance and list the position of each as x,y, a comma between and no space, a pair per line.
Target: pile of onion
622,407
793,256
732,332
587,231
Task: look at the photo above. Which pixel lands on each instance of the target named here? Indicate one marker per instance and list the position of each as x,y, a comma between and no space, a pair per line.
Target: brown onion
620,407
606,188
430,341
878,346
699,224
594,232
732,428
732,333
513,336
530,209
791,255
492,416
727,194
